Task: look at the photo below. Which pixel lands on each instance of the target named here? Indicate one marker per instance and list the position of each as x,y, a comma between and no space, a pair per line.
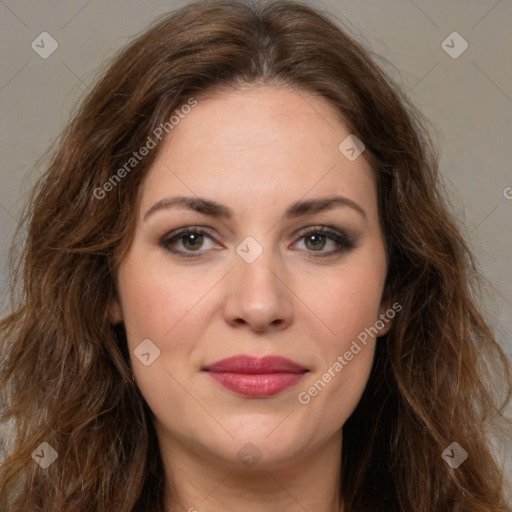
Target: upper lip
255,365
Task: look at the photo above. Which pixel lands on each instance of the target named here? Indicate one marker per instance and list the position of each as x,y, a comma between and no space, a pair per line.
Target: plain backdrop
467,98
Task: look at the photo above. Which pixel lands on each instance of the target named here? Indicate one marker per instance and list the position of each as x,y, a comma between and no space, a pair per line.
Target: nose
258,295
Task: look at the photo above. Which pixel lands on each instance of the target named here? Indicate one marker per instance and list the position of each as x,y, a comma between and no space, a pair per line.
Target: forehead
261,145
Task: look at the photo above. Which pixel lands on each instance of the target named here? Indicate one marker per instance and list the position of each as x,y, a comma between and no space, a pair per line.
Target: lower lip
257,385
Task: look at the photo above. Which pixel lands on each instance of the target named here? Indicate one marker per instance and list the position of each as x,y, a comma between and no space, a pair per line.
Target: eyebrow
218,210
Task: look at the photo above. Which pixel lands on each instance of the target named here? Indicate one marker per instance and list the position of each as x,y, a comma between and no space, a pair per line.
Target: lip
256,377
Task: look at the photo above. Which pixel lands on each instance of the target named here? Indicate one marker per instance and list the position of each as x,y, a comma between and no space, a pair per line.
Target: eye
191,238
315,240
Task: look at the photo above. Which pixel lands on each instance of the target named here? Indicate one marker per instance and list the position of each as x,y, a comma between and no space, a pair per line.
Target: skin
256,149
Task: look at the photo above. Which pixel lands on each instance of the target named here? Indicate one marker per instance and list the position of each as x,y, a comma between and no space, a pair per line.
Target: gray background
467,99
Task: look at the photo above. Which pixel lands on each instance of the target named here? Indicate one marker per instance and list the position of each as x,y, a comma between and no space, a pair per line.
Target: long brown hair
65,372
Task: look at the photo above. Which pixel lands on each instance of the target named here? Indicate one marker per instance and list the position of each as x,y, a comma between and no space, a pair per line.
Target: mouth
256,377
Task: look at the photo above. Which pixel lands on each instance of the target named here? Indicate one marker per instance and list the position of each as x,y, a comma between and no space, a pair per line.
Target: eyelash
345,243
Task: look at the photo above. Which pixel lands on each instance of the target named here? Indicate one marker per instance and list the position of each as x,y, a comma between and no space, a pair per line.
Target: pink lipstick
256,377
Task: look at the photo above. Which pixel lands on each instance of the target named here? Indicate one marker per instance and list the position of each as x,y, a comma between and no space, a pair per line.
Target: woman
242,289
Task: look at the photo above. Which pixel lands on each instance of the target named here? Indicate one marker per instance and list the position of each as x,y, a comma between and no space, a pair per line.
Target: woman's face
260,165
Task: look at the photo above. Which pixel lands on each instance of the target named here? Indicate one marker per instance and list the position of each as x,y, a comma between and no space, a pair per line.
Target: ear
387,312
115,312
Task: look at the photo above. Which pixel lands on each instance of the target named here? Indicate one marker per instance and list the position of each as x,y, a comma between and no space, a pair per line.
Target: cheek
349,308
172,308
157,307
155,298
348,303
